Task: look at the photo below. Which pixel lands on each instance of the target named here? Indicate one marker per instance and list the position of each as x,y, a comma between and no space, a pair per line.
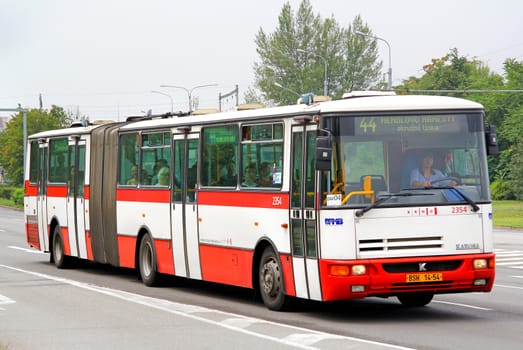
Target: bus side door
186,247
304,234
75,198
41,200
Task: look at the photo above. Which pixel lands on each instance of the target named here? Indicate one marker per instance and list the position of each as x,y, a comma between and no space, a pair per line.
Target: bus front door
186,248
304,235
41,200
76,199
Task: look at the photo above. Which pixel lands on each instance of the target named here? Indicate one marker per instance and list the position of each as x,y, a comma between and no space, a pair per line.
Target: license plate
424,277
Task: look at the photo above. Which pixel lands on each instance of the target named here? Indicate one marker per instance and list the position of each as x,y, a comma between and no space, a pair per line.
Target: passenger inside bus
133,180
228,166
265,178
249,179
160,163
163,176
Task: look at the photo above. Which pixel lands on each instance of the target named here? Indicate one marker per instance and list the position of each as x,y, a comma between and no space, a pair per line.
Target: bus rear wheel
415,299
271,281
147,262
57,249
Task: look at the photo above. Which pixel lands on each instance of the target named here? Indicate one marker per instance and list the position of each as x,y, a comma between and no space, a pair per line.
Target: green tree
303,46
11,139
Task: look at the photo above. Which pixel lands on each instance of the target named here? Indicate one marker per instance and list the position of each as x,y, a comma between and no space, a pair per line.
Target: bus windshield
430,159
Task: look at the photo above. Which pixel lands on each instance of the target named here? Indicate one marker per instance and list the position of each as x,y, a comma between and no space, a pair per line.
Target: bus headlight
358,270
480,264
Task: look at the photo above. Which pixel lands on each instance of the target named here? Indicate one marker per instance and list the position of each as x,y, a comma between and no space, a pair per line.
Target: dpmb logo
333,221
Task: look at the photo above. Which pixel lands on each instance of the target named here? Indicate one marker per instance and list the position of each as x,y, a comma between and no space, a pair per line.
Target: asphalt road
93,306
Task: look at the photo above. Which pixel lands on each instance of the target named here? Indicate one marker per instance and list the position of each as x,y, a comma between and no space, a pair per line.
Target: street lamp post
389,84
163,93
189,91
326,66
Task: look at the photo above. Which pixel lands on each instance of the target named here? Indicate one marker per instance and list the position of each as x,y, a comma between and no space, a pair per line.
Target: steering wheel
448,178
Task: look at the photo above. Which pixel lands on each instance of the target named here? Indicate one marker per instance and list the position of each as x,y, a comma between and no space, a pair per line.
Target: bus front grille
396,244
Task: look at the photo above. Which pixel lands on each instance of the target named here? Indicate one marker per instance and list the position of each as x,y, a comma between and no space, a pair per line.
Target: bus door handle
309,214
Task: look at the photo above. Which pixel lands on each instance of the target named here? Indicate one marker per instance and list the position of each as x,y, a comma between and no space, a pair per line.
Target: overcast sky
103,57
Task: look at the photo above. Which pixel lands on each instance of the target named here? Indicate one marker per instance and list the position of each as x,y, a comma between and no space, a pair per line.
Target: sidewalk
508,229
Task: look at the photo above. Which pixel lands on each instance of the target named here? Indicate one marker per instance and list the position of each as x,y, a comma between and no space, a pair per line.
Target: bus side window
33,166
220,154
128,159
262,155
58,161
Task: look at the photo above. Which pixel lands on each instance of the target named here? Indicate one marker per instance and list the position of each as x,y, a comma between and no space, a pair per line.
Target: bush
502,190
18,196
6,191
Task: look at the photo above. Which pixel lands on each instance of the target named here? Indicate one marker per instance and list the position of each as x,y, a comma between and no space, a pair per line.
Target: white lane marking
505,251
505,286
509,263
516,276
5,300
189,311
2,230
27,250
520,257
462,305
503,256
240,322
310,339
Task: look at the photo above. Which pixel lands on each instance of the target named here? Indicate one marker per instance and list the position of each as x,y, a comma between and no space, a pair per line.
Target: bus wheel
415,299
271,281
147,262
57,249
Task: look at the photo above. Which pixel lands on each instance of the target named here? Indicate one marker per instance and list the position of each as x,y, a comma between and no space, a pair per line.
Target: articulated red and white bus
315,201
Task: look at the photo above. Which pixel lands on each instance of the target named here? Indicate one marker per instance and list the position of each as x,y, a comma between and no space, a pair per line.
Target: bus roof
387,103
356,103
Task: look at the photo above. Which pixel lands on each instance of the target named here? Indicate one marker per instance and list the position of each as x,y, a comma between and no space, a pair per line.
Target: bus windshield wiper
473,204
386,197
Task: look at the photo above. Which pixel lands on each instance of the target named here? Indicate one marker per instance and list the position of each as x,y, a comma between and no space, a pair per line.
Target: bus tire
57,249
147,262
270,281
415,299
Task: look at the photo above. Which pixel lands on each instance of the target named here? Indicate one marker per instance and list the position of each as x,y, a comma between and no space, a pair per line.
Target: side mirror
491,140
323,153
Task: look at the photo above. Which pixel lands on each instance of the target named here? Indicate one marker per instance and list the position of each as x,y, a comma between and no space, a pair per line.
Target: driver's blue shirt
435,174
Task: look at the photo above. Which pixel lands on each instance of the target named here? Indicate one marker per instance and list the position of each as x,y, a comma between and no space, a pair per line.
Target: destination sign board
410,124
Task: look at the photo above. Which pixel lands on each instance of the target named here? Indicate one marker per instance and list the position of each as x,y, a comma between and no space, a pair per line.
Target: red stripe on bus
226,265
164,256
143,195
57,191
89,245
288,275
87,192
126,249
33,239
275,200
30,190
65,239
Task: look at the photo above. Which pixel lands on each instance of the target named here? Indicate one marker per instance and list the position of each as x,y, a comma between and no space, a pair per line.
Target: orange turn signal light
339,270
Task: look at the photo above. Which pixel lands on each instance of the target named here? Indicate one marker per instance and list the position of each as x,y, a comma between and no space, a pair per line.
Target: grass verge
508,213
9,203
